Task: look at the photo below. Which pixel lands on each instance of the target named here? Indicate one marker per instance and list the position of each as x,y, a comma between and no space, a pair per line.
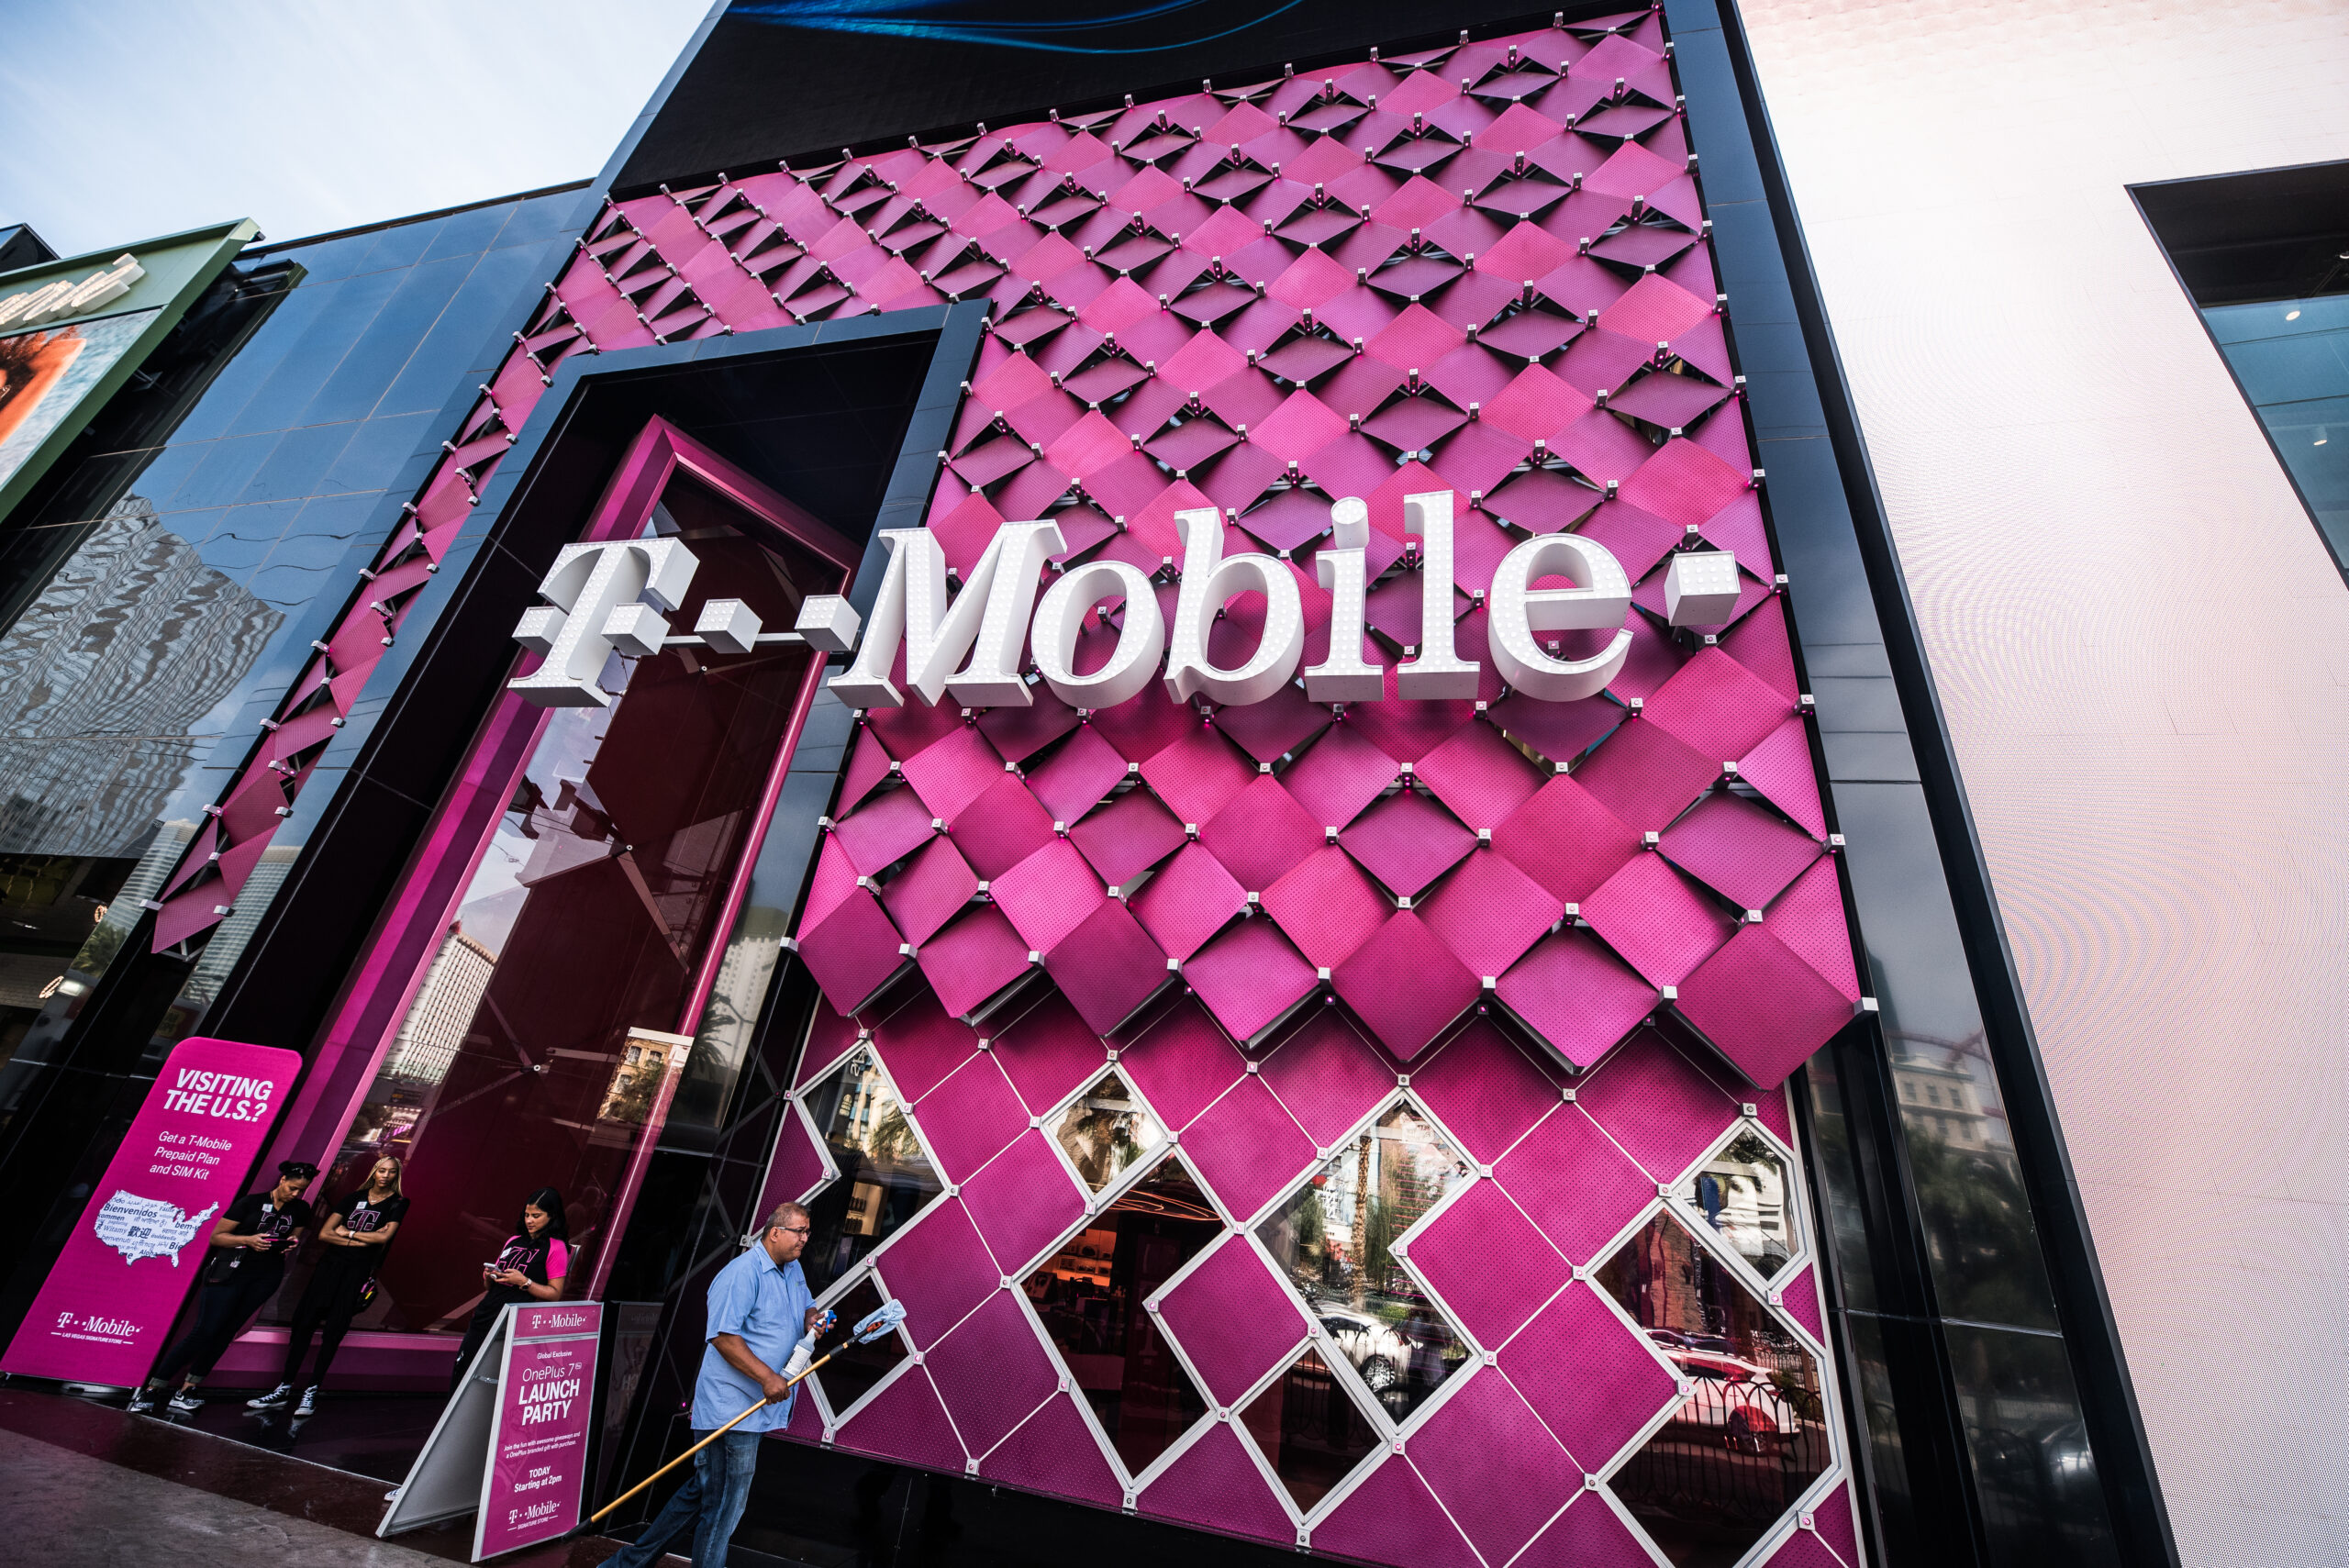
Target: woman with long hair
529,1267
356,1233
246,1260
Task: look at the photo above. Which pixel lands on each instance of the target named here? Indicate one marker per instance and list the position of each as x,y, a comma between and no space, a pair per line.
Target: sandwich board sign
511,1445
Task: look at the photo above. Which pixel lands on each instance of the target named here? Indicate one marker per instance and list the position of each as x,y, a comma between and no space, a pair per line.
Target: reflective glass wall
2292,358
159,587
2266,258
522,1058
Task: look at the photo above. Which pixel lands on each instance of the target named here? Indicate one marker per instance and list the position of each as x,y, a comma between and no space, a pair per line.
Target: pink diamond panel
1233,1320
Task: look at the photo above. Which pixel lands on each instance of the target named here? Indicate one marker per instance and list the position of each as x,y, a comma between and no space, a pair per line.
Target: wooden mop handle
597,1517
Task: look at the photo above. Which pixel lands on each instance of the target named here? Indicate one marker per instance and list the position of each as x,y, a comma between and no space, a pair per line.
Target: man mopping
759,1305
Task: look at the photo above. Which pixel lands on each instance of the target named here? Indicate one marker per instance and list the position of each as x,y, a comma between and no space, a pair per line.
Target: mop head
874,1324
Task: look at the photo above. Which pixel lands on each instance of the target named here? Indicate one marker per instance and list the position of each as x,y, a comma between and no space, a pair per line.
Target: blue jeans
710,1504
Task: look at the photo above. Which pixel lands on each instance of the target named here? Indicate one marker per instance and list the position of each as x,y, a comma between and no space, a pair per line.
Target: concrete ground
90,1486
66,1510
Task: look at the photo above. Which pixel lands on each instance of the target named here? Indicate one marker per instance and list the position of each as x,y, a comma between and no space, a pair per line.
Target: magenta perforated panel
1052,1451
1047,1053
1455,1254
1804,1549
940,1269
1393,1517
1214,1483
1481,269
1592,1387
1486,1090
1023,1201
905,1420
1587,1532
991,1371
1246,1147
1831,1521
1234,1320
1494,1466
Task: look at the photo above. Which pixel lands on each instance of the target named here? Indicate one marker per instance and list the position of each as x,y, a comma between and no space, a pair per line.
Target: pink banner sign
103,1312
538,1447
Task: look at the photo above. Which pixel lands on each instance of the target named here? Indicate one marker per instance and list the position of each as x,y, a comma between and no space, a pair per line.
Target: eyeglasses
793,1230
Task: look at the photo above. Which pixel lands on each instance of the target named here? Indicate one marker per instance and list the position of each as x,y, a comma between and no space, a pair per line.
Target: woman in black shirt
356,1233
247,1252
529,1267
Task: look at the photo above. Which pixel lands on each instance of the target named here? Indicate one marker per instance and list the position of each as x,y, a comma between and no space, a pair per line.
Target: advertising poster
538,1447
45,374
103,1314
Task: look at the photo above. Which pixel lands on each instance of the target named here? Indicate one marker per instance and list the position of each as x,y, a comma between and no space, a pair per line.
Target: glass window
2266,256
585,920
50,906
1107,1131
1091,1295
854,1370
1740,1192
1310,1429
2292,358
885,1175
1334,1238
1750,1435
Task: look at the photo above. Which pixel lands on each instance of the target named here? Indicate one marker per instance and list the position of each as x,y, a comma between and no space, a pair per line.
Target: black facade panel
799,83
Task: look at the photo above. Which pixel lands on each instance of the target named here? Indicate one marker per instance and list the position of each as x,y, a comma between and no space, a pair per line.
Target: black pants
220,1311
485,1319
329,1303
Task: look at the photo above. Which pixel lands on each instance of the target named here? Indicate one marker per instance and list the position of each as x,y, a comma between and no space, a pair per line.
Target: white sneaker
186,1402
309,1406
142,1399
273,1399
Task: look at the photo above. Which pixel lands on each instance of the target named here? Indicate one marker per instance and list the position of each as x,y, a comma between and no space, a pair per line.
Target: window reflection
855,1370
1334,1238
885,1176
50,906
1749,1437
1310,1429
1090,1295
2292,358
578,934
1107,1131
1980,1236
1740,1192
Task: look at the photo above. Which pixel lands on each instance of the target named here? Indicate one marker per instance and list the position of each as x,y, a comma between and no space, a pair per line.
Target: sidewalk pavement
91,1486
67,1510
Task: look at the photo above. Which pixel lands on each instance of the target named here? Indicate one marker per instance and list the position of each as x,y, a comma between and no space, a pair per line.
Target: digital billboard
73,330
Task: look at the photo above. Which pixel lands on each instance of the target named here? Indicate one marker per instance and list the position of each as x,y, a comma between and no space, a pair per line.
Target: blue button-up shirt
766,1303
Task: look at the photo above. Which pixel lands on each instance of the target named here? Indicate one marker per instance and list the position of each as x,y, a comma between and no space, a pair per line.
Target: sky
122,120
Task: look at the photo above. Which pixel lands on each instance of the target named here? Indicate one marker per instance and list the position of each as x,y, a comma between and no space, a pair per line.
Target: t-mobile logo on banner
615,596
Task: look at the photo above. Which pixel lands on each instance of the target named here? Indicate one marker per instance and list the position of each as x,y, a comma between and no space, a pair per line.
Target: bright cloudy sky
124,120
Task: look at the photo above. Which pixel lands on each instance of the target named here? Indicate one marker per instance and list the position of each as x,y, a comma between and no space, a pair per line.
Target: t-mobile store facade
1265,735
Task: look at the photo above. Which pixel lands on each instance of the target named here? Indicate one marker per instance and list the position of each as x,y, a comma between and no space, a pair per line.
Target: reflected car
1730,1395
1380,1353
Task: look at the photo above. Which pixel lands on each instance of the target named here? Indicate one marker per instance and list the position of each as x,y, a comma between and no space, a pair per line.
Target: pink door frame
366,1017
